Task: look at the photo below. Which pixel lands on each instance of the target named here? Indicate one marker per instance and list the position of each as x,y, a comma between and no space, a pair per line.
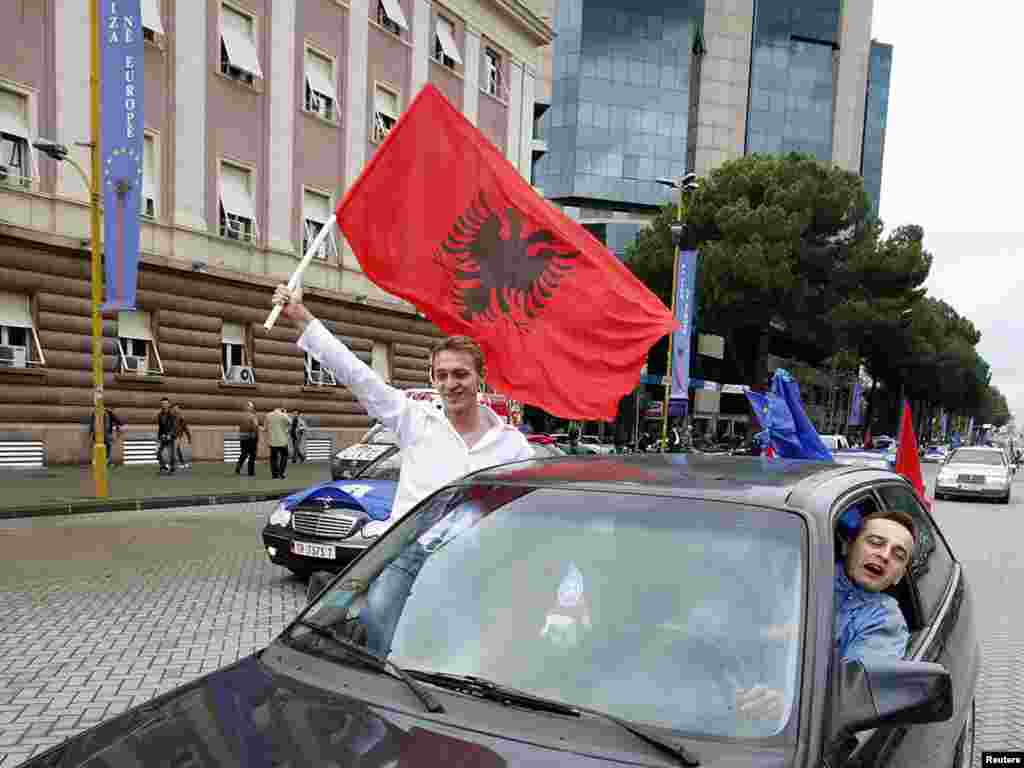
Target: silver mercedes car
975,471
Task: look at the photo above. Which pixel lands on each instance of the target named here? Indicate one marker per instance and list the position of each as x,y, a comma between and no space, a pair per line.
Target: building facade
642,89
258,114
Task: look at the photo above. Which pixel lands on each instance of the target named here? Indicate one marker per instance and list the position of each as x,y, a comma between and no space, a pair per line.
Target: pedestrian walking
277,433
249,434
166,432
438,445
111,430
182,434
298,436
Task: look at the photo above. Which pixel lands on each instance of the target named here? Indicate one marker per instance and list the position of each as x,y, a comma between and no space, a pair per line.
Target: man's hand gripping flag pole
296,279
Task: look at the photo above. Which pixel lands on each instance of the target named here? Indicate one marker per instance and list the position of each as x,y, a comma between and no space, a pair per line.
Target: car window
931,566
385,469
652,609
971,456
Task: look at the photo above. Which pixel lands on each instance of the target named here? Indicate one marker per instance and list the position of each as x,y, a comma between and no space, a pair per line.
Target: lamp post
59,152
687,183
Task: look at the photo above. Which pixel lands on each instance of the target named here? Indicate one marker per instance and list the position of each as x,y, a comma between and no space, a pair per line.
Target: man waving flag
440,218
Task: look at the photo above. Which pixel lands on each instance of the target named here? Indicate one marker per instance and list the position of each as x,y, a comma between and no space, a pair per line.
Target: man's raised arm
380,400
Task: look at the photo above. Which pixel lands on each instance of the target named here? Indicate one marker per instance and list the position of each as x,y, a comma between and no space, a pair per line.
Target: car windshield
993,458
385,469
649,608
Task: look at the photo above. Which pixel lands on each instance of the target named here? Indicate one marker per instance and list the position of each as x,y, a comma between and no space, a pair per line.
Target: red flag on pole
908,461
440,218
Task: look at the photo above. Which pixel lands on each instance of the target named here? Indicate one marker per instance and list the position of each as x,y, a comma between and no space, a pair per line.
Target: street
103,612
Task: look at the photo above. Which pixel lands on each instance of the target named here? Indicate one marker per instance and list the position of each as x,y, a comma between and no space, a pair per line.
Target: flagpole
671,336
296,277
99,450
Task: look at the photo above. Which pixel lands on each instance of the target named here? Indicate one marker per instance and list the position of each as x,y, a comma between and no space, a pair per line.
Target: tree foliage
788,243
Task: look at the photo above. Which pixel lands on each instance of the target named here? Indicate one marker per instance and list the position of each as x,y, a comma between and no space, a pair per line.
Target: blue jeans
387,595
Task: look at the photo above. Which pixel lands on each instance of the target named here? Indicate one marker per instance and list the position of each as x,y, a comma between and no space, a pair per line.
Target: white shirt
433,452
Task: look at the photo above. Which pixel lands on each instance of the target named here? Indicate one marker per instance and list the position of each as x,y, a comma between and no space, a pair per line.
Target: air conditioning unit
241,374
135,364
13,357
322,377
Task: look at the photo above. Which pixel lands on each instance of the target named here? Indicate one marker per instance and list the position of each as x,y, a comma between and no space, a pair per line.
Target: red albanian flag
908,462
442,219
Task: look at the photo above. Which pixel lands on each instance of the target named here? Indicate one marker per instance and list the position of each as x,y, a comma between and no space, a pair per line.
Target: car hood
250,716
372,497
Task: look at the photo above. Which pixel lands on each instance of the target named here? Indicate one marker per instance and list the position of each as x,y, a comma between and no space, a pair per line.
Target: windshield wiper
487,689
377,662
664,743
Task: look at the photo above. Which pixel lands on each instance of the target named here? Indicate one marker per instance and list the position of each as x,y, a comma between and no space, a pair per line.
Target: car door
945,634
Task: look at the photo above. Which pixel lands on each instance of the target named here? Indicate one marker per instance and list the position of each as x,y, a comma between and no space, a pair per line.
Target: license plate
363,452
323,551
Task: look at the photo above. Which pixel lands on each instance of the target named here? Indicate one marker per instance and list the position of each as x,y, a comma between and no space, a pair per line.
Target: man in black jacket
166,432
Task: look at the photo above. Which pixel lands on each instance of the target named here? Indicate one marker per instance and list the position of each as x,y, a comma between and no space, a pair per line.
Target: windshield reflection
653,609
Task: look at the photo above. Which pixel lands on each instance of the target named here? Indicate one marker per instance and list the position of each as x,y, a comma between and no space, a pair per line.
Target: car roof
748,480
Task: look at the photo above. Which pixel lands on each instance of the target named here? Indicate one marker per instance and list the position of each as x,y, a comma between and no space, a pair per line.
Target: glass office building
792,77
620,97
631,100
879,71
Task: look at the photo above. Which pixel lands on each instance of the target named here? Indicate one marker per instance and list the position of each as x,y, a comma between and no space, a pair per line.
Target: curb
93,506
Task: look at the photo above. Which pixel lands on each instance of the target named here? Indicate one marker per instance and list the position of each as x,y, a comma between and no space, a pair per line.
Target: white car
835,442
975,471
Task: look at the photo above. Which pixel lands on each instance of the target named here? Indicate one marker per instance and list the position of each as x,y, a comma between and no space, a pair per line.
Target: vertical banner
855,405
686,282
121,144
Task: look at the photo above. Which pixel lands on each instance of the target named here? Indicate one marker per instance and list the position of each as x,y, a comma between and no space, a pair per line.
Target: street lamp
687,183
59,152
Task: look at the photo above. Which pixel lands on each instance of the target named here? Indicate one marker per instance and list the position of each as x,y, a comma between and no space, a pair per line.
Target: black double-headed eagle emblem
494,276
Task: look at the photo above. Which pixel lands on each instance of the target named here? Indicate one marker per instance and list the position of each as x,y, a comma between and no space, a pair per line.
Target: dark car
377,445
591,612
326,526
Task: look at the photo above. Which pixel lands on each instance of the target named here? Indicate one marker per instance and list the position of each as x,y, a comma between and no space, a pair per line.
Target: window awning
236,33
14,310
233,333
316,207
319,75
12,114
151,16
447,41
394,11
148,167
234,192
386,102
134,325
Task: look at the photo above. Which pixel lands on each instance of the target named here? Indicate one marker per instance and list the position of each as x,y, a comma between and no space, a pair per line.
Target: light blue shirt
867,624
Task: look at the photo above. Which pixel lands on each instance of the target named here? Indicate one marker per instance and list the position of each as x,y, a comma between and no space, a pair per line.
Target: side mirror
883,692
317,581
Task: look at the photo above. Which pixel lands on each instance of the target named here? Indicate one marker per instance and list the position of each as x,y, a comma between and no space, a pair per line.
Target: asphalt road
103,612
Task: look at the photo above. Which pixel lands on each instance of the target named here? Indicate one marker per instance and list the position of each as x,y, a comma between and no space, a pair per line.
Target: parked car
835,442
330,524
854,456
375,446
977,472
605,449
883,443
935,454
590,612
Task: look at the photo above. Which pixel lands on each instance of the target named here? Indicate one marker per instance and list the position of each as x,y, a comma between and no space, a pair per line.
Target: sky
954,162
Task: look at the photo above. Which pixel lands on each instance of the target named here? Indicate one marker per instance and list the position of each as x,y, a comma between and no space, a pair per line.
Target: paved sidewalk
64,490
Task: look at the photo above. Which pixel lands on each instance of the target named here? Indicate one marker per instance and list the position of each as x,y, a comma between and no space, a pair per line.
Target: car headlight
374,528
281,516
